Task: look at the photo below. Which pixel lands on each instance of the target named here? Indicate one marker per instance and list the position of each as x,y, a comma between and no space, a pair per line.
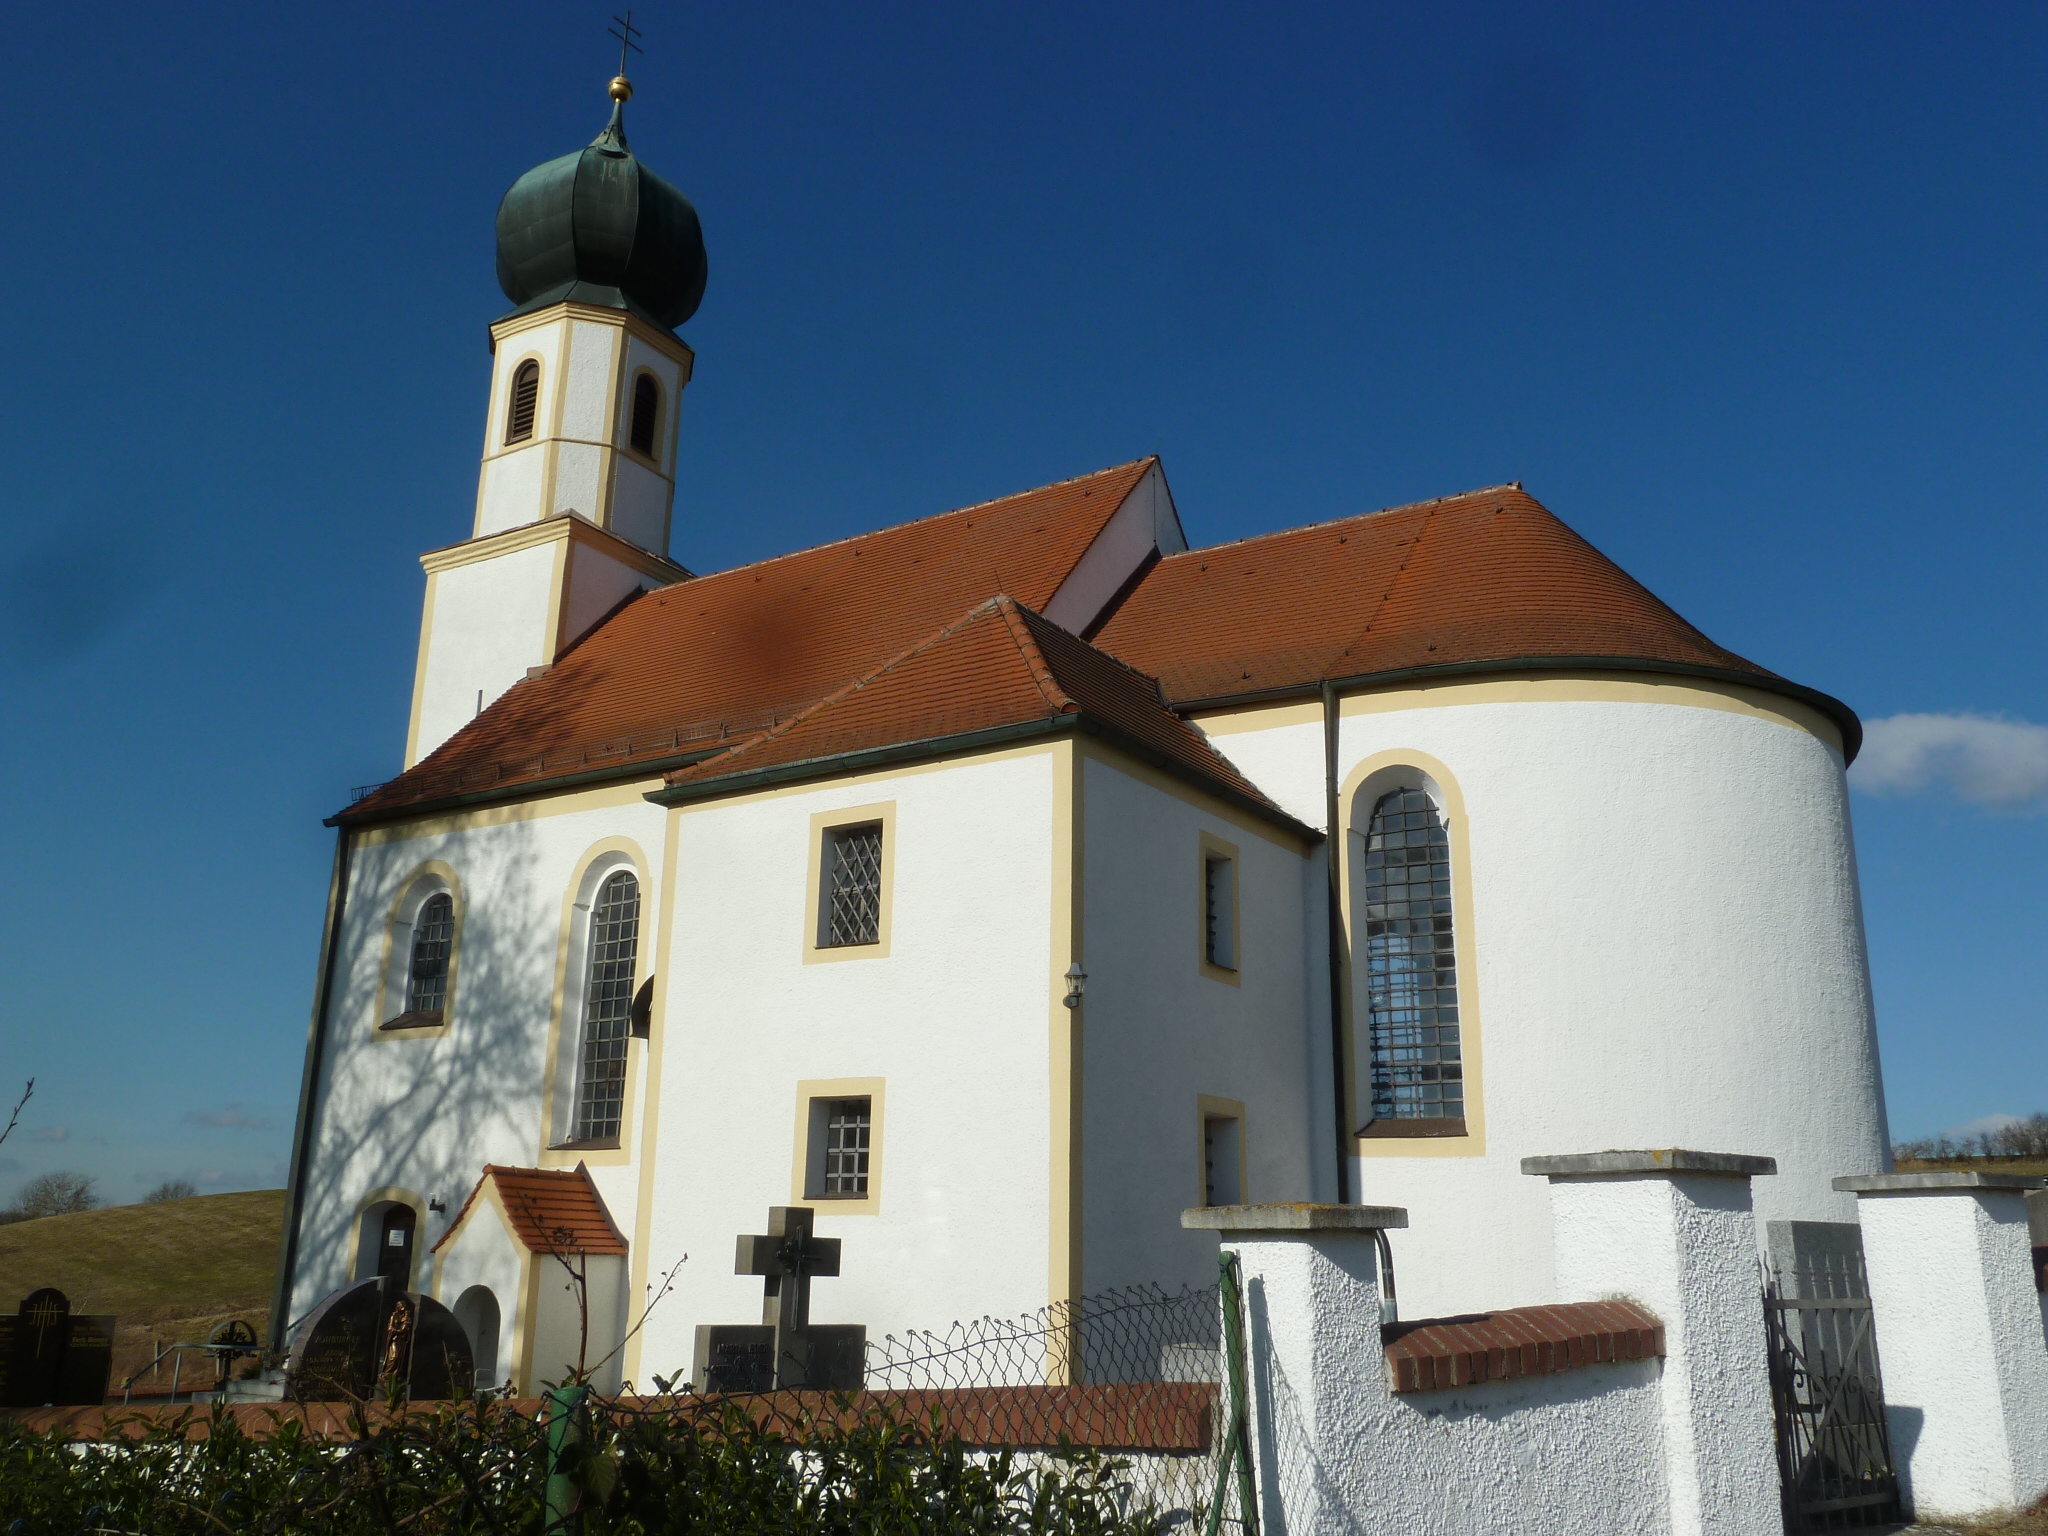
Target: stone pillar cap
1934,1181
1653,1160
1294,1218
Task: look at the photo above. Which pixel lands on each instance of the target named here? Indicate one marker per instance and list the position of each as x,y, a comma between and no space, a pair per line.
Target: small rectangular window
847,1128
1222,1160
1219,910
852,895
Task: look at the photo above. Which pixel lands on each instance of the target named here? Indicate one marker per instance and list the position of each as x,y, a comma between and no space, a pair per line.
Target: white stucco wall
484,1252
1160,1032
511,480
1959,1339
595,585
640,503
953,1019
1145,523
1339,1453
424,1113
491,621
1667,944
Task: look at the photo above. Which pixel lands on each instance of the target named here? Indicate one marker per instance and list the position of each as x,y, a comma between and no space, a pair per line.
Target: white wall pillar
1318,1371
1674,1231
1959,1336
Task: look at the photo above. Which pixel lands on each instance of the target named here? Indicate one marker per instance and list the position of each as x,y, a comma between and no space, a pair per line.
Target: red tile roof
685,666
552,1210
1490,575
775,658
998,665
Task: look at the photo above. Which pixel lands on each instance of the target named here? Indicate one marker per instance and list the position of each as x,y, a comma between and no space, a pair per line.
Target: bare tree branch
19,1104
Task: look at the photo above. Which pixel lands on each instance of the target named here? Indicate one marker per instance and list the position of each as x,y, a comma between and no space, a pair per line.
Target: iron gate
1834,1451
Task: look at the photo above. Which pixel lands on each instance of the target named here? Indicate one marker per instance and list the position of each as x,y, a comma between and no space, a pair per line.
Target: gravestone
374,1332
785,1349
52,1356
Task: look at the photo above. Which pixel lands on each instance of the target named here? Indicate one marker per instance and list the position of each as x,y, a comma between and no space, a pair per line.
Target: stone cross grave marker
786,1350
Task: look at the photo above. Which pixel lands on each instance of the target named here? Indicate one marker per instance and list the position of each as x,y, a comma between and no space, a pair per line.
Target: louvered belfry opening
608,1004
525,400
646,411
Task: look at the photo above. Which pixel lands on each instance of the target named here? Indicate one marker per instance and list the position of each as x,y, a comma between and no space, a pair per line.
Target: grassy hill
170,1271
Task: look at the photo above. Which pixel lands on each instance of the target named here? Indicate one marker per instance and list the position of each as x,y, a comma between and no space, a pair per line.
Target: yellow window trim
444,875
823,824
1466,932
811,1089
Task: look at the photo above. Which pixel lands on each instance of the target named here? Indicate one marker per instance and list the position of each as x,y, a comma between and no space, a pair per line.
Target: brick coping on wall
1162,1417
1438,1352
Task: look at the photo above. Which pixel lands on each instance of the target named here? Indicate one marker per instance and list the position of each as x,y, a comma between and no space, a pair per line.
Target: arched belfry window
433,936
646,413
608,1009
525,402
1411,962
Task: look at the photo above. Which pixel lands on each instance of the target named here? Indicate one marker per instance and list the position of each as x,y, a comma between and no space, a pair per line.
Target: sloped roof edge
1845,719
1076,721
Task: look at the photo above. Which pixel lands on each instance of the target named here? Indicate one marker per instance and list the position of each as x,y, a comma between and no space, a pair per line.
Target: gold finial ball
622,88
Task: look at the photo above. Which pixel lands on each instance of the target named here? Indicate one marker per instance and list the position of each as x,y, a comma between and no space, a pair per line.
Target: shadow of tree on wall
425,1114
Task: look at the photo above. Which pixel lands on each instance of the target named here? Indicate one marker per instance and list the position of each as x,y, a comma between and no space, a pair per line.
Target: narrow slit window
1411,962
608,1009
1219,911
853,885
847,1129
1222,1161
646,413
433,938
525,401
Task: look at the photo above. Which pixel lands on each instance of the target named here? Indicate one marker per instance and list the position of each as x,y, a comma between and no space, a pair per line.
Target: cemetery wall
1663,899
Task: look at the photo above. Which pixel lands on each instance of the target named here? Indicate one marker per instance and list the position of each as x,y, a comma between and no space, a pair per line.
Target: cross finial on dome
625,32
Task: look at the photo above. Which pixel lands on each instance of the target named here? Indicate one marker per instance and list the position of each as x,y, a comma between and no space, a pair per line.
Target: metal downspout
1334,849
309,1087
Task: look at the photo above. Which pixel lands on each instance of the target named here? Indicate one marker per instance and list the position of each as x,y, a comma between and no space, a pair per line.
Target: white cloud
232,1118
51,1133
1982,758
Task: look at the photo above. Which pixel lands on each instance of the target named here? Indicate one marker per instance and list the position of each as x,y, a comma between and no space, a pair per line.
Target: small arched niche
387,1239
477,1310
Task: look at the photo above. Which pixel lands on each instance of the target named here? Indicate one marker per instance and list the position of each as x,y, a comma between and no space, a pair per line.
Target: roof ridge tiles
1351,517
1014,615
913,522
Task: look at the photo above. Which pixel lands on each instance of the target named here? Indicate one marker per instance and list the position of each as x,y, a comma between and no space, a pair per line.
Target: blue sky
1751,296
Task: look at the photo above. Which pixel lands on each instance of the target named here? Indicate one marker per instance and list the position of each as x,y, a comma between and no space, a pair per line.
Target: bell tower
602,260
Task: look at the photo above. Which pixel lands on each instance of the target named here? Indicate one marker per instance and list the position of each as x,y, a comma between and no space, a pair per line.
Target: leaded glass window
853,910
1411,962
433,936
846,1146
608,1008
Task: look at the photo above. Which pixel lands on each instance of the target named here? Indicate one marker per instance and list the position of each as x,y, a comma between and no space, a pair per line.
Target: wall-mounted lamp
435,1205
1077,983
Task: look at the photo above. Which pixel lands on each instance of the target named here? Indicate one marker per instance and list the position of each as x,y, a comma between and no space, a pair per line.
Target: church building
1003,882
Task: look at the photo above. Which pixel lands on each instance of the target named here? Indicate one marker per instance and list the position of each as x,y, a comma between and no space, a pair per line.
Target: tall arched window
607,1009
1411,962
525,400
646,413
433,936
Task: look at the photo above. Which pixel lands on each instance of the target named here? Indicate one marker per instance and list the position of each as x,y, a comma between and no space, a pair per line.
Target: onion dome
598,227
